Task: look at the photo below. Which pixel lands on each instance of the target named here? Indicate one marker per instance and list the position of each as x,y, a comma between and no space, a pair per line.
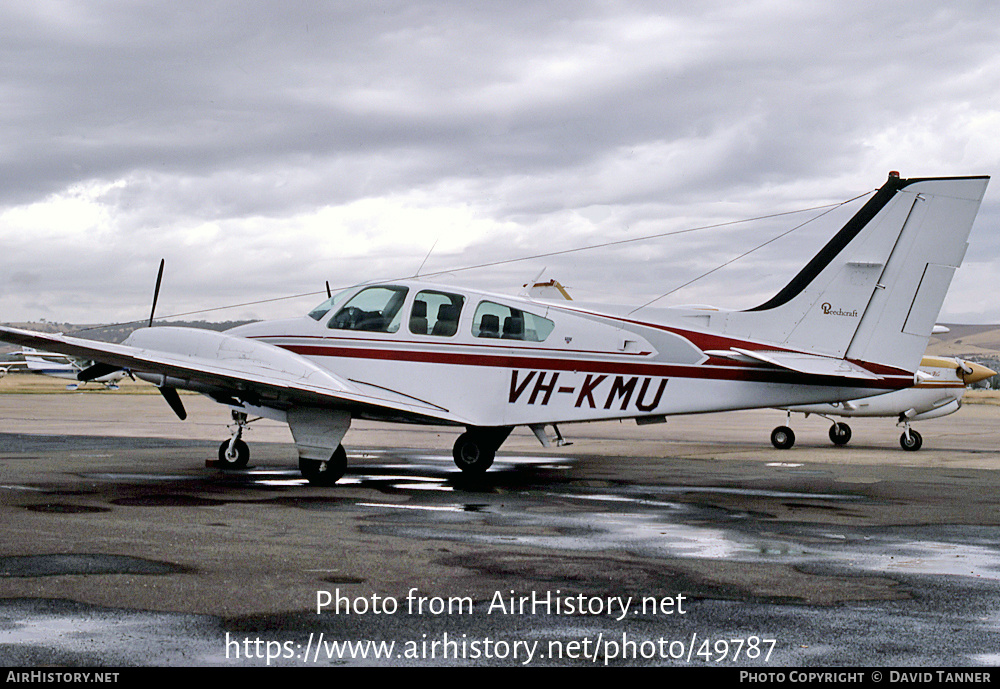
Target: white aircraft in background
60,366
938,392
853,323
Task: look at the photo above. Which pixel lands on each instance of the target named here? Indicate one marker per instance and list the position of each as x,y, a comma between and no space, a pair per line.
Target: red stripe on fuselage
740,372
707,341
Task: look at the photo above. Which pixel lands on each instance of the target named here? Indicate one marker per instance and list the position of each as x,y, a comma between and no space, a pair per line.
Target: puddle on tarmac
638,519
82,563
66,634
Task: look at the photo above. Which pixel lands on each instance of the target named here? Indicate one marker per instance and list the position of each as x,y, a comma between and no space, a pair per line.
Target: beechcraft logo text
830,311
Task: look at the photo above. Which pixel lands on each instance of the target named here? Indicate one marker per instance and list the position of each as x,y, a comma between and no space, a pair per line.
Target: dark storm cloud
260,145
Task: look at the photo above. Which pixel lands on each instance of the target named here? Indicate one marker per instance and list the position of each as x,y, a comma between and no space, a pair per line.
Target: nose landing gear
234,453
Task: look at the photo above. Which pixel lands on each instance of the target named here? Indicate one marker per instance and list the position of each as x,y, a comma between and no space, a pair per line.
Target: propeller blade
174,400
156,292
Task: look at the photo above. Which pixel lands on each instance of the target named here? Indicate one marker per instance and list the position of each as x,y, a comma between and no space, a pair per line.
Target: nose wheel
234,453
782,437
910,440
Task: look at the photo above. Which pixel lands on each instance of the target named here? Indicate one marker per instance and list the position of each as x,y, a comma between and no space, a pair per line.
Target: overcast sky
264,148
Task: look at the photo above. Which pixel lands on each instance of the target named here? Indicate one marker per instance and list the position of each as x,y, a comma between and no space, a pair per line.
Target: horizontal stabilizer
800,362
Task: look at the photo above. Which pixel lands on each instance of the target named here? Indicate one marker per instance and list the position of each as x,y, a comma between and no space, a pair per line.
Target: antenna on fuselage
422,263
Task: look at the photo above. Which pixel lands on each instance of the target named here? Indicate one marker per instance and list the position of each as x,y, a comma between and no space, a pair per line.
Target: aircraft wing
227,367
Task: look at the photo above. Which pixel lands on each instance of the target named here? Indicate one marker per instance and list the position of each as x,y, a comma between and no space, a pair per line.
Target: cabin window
435,313
375,309
324,308
506,323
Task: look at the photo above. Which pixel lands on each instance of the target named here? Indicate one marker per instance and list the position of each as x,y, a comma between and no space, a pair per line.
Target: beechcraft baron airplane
853,323
940,385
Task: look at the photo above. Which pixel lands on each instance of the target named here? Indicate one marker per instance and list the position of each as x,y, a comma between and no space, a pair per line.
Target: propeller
174,400
101,369
973,373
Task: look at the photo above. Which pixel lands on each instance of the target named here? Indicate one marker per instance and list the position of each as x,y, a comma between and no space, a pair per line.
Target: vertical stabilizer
873,293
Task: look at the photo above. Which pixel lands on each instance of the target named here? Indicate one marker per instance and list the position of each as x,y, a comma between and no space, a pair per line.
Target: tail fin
873,293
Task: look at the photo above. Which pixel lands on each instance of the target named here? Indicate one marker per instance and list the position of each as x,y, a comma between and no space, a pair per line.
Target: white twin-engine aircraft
940,385
853,323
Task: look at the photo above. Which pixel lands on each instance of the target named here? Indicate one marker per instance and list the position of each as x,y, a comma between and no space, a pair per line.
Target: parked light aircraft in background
940,385
853,323
61,366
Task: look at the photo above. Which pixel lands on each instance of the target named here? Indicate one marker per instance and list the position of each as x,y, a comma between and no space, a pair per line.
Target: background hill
966,341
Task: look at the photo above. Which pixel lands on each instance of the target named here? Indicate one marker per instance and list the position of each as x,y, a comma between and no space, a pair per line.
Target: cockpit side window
436,313
506,323
376,309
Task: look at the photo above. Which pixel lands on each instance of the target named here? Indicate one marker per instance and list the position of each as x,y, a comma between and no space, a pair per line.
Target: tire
242,452
911,443
473,453
782,437
325,473
840,433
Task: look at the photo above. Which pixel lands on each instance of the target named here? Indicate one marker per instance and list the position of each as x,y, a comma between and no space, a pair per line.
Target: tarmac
690,543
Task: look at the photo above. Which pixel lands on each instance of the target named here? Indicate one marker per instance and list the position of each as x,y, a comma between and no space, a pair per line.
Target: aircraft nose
978,372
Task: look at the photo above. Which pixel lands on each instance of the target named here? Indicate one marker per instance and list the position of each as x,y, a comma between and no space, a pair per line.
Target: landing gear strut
234,453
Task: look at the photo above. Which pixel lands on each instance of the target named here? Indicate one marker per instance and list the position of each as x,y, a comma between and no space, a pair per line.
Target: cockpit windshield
326,306
375,309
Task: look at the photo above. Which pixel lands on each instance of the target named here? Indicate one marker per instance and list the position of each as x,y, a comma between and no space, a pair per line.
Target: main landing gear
783,437
235,454
327,473
474,452
475,449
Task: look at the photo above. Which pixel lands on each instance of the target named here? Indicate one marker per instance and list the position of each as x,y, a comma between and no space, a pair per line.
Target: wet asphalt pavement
126,549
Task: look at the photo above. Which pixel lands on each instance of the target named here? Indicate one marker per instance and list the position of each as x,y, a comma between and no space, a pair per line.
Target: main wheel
473,453
782,437
840,433
239,457
320,473
911,442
